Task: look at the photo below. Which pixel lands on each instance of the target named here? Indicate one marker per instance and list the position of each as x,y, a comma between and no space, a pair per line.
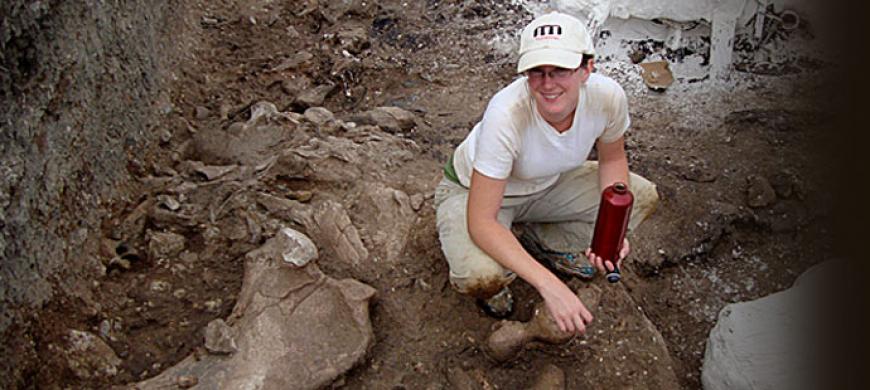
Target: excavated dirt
735,165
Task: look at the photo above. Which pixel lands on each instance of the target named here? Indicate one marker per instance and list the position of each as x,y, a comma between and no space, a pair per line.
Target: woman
526,161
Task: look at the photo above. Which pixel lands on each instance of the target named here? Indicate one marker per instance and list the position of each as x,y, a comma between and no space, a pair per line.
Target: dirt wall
83,88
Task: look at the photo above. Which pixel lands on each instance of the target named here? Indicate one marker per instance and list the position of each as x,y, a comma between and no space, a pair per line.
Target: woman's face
556,92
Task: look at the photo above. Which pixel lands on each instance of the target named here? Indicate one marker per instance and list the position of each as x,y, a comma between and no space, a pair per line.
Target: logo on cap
547,31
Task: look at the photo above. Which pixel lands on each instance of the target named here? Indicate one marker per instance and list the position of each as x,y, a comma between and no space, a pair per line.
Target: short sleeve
617,110
497,145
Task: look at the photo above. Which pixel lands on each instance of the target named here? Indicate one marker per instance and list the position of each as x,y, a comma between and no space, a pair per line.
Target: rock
319,115
657,75
220,338
459,379
698,172
313,97
770,343
637,56
165,136
245,143
210,172
759,192
120,255
163,245
301,196
160,286
390,119
293,248
105,329
168,202
622,335
724,209
330,159
387,217
785,183
786,216
294,61
294,86
508,340
332,11
334,229
89,357
186,381
551,378
133,225
286,209
292,33
294,328
201,112
417,201
213,305
353,39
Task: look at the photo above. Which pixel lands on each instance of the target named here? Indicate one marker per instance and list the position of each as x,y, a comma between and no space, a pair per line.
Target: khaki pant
561,217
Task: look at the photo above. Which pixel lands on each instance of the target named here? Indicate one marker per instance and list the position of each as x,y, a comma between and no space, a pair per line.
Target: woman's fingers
579,325
626,249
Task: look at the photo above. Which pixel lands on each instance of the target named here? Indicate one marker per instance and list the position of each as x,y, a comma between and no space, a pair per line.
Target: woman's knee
482,281
646,197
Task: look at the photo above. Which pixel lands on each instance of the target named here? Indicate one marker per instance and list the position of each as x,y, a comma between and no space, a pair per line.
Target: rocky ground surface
280,123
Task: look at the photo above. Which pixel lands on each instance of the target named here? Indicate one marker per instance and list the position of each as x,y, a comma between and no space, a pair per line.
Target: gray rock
353,39
333,228
201,112
759,192
459,379
390,119
89,356
698,172
186,381
313,97
722,208
294,86
293,248
551,378
220,338
168,202
319,115
165,135
334,10
292,33
213,305
622,333
417,201
386,216
295,328
212,172
163,245
294,62
160,286
286,209
769,343
246,143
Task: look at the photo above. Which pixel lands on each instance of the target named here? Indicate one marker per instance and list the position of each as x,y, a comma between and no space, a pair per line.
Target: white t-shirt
514,142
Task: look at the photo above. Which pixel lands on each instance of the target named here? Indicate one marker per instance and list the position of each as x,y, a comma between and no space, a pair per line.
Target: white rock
769,343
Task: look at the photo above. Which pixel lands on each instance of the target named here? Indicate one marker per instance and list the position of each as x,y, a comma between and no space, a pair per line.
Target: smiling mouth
551,96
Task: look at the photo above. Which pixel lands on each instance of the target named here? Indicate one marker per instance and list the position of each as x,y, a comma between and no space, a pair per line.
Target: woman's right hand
566,308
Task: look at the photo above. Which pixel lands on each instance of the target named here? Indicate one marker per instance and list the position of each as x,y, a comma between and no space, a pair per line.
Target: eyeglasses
558,74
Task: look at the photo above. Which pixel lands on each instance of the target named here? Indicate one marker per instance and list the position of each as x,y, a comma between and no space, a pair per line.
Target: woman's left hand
606,265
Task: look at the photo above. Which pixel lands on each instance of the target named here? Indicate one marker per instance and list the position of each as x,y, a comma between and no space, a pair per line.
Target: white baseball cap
555,39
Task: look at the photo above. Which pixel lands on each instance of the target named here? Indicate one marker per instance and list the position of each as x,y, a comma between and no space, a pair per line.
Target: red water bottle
611,224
